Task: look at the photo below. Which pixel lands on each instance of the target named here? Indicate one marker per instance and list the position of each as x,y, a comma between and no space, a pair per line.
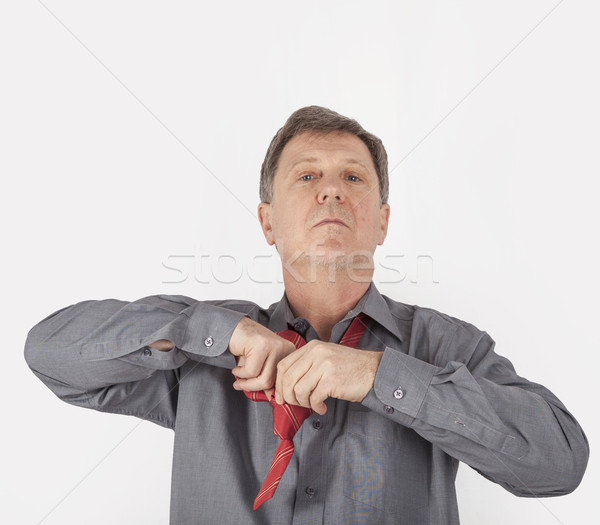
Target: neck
324,302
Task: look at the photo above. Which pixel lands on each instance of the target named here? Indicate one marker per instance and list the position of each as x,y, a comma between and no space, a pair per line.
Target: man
391,419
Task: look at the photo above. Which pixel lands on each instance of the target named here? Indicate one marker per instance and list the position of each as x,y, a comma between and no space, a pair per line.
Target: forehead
321,147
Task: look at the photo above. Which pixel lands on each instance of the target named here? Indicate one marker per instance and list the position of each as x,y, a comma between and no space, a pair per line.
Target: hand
257,350
320,370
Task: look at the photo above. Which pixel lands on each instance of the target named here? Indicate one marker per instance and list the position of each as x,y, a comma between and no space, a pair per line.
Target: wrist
163,345
373,360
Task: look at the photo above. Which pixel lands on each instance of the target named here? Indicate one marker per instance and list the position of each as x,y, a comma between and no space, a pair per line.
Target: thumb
239,361
269,392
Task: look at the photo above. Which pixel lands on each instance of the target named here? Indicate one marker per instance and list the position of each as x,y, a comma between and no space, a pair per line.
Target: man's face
320,177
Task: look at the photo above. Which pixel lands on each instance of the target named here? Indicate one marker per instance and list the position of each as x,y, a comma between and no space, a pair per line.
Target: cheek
366,217
284,224
368,223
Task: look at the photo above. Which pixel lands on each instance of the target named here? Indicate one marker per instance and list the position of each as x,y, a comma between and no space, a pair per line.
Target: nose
331,188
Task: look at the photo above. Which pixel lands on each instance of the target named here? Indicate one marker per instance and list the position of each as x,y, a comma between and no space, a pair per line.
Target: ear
264,217
384,217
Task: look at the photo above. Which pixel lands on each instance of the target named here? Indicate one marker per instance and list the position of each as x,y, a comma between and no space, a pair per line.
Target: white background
133,132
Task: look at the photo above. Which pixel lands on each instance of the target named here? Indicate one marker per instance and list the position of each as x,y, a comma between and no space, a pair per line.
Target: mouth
331,221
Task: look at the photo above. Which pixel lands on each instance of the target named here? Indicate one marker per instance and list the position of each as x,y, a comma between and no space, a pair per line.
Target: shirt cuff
225,360
201,332
401,383
209,329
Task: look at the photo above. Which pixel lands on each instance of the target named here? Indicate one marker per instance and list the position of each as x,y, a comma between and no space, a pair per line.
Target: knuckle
325,364
299,391
267,382
329,362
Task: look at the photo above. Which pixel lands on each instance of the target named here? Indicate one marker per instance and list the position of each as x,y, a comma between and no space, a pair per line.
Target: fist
320,370
257,350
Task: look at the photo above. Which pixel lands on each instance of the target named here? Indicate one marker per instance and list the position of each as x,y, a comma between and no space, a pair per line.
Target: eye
355,178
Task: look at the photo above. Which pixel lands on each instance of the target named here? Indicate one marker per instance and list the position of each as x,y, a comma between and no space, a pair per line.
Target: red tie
288,418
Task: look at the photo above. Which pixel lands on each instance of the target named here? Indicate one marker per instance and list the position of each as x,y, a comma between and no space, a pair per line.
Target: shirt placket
310,489
310,443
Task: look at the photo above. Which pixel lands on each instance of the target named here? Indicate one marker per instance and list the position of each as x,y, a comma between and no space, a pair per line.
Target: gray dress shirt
441,395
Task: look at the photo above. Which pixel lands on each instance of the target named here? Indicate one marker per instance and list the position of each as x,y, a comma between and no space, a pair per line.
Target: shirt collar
371,303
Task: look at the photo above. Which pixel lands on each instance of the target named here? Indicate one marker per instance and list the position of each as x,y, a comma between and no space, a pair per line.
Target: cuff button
209,341
399,393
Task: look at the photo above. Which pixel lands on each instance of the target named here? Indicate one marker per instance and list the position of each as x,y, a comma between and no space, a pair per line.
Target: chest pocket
386,464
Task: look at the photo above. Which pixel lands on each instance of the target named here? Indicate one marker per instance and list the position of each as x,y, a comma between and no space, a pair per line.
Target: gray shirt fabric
441,395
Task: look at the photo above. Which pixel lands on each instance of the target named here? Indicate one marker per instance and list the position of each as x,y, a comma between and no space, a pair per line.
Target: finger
289,379
253,384
318,397
269,371
291,358
252,365
239,361
281,368
269,392
305,386
241,372
266,378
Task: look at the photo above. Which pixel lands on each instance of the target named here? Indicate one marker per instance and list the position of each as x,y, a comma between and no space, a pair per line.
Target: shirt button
209,341
310,491
317,424
300,325
147,351
388,409
399,393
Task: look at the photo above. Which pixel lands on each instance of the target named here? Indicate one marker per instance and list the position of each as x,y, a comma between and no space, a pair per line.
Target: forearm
93,344
514,432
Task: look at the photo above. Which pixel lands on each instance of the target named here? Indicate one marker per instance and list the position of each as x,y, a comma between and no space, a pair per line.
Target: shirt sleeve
95,353
455,391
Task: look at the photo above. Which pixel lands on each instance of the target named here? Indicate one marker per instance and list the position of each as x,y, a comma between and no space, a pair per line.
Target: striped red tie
288,418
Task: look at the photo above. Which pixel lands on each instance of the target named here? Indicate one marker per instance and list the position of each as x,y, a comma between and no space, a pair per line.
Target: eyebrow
315,159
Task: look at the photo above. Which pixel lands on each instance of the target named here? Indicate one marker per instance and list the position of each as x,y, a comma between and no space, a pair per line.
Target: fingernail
278,398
